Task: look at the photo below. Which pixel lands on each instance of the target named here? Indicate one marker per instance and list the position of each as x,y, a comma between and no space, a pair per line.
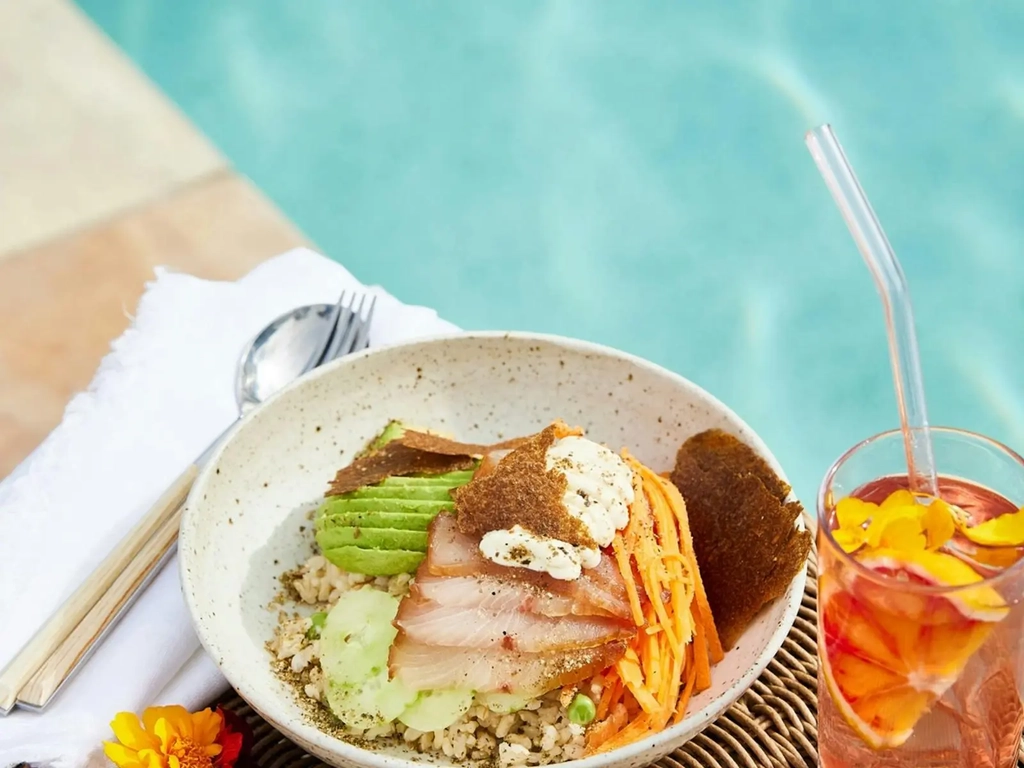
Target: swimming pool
635,174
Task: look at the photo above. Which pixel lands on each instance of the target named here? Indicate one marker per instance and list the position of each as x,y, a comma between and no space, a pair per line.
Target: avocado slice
385,505
451,479
408,492
371,538
403,521
394,430
374,562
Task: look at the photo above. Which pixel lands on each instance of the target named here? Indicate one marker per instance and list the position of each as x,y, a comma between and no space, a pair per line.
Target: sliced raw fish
427,622
599,591
490,593
427,667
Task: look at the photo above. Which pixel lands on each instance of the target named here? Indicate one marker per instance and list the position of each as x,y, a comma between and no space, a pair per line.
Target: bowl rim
308,733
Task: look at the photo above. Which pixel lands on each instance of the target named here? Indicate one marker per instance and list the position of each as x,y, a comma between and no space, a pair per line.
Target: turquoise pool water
634,173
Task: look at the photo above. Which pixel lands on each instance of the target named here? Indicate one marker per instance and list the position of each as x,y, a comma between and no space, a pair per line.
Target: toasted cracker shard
424,441
744,532
412,453
521,490
394,460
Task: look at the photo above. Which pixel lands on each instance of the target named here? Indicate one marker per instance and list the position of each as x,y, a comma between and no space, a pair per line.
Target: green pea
581,709
318,619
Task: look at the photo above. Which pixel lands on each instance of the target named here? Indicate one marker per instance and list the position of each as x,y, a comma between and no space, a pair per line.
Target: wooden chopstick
114,569
86,636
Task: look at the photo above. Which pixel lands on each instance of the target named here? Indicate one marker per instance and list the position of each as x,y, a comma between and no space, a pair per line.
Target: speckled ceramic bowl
245,524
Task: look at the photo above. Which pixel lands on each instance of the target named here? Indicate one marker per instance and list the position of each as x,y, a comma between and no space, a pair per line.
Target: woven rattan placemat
773,725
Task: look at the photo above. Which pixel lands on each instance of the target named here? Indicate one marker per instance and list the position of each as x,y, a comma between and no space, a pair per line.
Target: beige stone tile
62,303
83,134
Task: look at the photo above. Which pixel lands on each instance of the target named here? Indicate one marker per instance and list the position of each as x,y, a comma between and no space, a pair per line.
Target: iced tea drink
920,615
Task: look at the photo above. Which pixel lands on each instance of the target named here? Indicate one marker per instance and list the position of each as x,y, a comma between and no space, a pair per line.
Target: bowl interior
245,521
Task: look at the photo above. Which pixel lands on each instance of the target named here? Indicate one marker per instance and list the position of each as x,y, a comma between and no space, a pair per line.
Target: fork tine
342,330
363,336
343,341
336,313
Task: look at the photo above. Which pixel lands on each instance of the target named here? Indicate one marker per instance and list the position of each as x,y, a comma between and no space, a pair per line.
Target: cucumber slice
371,703
372,538
505,703
436,710
357,635
374,562
354,646
403,521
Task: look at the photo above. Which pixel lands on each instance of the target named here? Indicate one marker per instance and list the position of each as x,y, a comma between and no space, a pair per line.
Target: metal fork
65,642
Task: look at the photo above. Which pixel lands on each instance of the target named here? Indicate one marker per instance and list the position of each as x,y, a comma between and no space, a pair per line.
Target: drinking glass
916,673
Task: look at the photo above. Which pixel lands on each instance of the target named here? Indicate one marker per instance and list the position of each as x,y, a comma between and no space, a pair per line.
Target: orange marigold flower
172,737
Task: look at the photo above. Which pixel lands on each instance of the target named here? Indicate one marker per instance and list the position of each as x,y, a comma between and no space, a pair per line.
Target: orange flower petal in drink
938,522
852,512
853,515
902,499
1002,531
889,654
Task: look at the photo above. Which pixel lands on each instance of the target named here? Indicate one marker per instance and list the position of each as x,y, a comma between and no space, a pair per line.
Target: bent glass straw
892,286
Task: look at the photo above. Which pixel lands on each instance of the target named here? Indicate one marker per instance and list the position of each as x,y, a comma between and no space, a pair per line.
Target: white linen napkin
162,394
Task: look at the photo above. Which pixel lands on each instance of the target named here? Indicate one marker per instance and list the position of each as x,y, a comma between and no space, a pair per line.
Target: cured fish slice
599,591
489,593
429,623
428,667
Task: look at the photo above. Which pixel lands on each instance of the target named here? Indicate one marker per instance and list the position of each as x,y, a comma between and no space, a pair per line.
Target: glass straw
892,286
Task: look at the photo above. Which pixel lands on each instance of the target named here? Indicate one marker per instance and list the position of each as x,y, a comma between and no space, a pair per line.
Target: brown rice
539,734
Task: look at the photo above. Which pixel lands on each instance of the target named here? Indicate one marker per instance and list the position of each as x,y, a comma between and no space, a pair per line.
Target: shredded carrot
684,698
632,731
701,661
612,693
666,663
622,560
603,731
678,506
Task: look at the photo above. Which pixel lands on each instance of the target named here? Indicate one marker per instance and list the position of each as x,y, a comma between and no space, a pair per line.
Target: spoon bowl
282,352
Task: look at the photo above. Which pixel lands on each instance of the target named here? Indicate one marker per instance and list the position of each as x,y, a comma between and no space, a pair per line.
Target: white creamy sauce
519,548
599,490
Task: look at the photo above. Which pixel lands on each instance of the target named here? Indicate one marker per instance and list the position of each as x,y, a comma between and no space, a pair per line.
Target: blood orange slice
888,654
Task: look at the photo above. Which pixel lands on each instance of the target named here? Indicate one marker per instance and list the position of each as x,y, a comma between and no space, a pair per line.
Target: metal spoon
290,346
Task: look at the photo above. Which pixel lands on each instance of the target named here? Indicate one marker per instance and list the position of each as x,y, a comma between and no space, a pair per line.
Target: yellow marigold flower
167,737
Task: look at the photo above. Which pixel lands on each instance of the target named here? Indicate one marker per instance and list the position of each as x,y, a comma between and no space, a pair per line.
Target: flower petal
849,540
852,512
180,720
152,758
205,726
938,524
121,756
877,527
900,498
1003,531
173,714
903,534
128,730
166,733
